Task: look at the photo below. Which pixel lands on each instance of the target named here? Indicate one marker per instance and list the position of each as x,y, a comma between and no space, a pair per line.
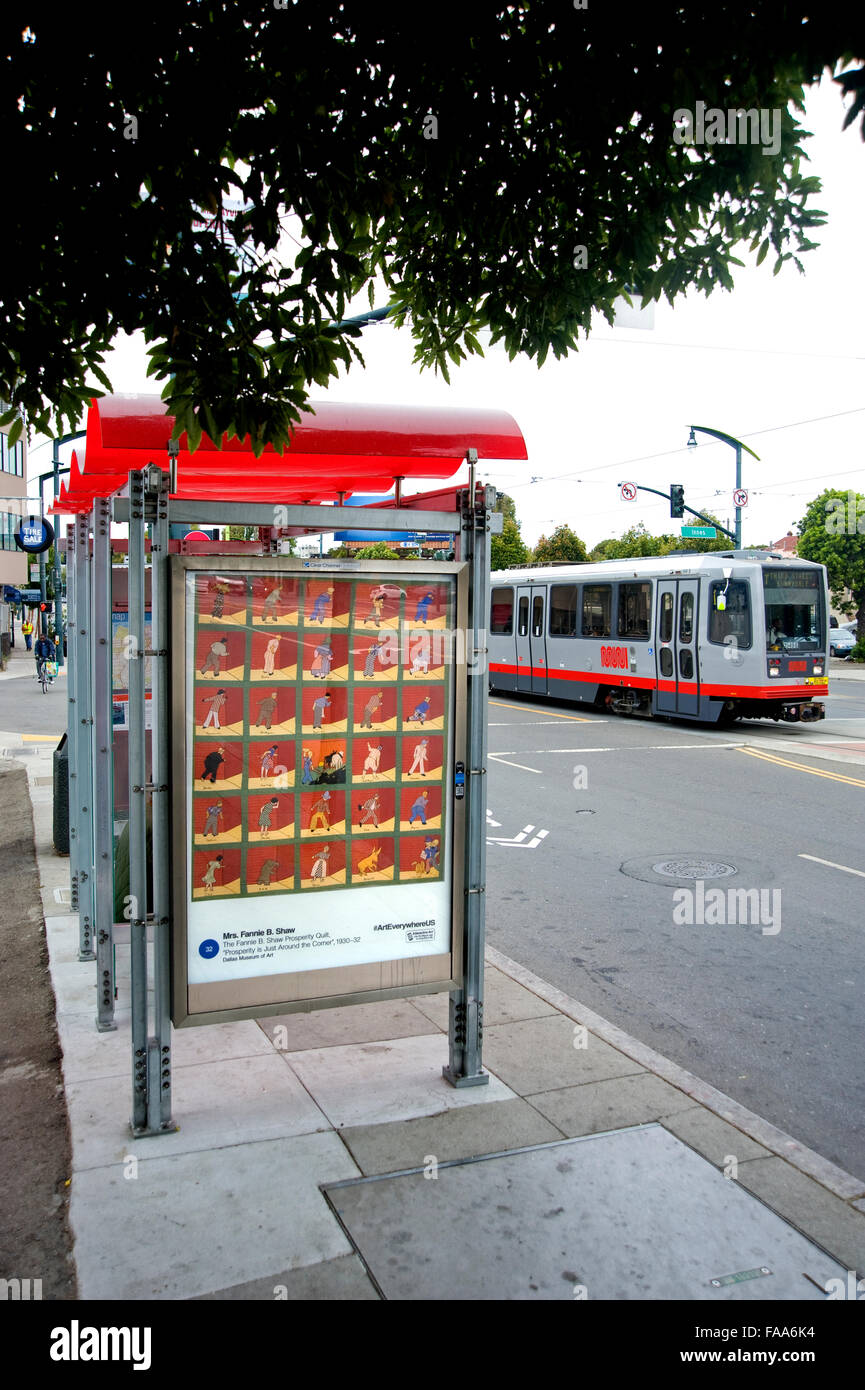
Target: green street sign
706,532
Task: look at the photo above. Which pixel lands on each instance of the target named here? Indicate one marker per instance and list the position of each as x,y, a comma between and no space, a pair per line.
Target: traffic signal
677,499
43,607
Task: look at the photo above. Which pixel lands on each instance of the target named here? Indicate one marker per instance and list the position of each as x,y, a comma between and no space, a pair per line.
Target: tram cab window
502,612
635,610
563,610
597,603
794,611
523,618
730,612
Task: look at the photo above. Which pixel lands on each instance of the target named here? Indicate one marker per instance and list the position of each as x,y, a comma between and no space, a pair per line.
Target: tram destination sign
704,532
317,716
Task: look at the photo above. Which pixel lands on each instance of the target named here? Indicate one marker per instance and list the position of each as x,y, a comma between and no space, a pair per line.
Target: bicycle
44,674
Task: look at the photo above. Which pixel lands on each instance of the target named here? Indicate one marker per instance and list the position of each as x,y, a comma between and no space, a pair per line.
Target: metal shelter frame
144,504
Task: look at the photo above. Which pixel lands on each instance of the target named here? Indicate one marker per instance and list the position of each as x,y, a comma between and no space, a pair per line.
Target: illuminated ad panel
318,714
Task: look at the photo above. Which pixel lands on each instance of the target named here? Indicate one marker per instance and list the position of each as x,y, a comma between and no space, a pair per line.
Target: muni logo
76,1343
615,656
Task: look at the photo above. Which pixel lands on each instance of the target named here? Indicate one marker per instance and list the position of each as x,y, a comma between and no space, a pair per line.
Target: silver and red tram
713,637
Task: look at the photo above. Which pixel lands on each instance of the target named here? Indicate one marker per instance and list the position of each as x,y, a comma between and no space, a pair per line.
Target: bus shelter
303,740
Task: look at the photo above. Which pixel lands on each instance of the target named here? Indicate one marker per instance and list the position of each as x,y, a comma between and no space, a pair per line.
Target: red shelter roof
336,448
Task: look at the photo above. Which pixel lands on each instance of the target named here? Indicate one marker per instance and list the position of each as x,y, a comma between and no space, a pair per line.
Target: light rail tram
739,634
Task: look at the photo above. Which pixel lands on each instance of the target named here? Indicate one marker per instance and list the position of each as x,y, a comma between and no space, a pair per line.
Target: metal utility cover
633,1214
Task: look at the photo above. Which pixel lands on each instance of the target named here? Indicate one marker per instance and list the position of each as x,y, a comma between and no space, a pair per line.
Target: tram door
537,631
676,647
524,641
531,640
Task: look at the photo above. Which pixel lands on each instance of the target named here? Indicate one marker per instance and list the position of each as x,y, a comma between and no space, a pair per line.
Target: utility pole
738,446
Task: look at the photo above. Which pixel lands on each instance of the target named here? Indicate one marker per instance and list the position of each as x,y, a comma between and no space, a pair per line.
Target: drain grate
693,868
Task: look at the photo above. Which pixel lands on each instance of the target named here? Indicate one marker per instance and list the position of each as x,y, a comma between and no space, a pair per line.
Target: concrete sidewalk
233,1205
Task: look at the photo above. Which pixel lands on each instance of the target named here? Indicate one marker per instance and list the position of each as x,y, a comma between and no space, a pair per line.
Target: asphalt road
768,1007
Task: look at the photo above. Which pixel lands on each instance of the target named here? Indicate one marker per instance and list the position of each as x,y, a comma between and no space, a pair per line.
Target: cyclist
44,651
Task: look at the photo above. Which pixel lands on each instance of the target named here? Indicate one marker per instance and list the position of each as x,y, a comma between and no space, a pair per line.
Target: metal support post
738,485
137,805
43,592
159,1119
83,724
103,778
71,720
151,1052
465,1022
58,583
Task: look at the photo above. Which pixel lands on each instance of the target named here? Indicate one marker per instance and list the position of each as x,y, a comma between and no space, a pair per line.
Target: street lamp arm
726,439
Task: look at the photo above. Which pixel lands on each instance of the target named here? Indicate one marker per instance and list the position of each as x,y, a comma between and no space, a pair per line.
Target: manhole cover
693,868
665,870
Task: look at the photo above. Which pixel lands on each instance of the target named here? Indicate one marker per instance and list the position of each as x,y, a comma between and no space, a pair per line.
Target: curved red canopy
336,448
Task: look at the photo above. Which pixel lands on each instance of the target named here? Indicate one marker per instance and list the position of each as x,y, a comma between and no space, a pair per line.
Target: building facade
13,486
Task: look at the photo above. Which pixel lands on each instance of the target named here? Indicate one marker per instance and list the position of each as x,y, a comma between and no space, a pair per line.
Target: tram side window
523,619
635,610
686,618
666,633
563,610
597,604
730,612
502,612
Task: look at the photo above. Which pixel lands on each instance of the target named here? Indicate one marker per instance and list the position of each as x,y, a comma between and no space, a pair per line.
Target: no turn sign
740,497
629,491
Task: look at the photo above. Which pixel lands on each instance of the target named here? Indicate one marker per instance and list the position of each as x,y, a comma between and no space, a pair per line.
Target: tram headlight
818,668
774,670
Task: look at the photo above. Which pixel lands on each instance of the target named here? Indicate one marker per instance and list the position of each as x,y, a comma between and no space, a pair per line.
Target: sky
778,363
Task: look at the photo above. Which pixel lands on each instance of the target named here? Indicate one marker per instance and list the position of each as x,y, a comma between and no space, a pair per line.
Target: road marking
490,821
800,767
497,758
642,748
551,714
830,865
536,723
40,738
520,841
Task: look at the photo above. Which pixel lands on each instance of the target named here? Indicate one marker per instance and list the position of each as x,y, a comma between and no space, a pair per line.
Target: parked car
851,627
841,642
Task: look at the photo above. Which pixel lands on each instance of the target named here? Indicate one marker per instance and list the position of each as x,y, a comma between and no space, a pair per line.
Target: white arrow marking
520,841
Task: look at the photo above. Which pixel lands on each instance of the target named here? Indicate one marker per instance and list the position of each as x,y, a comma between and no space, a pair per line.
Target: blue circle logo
209,949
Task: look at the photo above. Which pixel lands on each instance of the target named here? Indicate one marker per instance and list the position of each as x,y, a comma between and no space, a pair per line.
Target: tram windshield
794,610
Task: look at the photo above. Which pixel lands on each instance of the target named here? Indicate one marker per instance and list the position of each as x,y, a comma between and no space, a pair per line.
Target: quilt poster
318,738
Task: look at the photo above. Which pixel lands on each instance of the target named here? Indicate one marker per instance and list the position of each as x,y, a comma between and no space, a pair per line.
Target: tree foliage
378,550
563,544
832,532
507,506
509,548
637,541
510,174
